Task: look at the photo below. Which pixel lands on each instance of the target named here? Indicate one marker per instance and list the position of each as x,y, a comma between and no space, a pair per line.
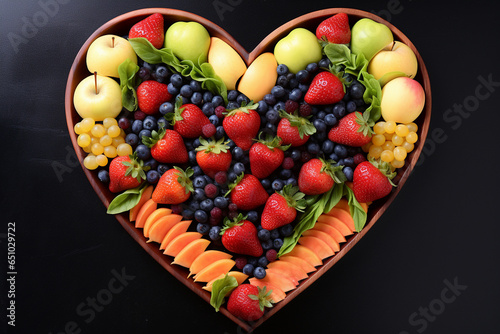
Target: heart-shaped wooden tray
121,25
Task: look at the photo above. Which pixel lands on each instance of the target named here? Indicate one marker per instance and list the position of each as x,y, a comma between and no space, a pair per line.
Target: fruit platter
247,175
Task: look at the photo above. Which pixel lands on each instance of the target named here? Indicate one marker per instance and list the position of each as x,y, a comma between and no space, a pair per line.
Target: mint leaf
357,212
372,95
128,81
126,200
220,289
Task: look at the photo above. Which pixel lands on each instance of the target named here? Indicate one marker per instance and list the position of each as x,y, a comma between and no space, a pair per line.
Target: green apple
400,58
188,41
98,97
298,49
369,37
107,52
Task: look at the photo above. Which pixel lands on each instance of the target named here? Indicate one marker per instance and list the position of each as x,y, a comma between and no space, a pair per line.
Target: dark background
442,227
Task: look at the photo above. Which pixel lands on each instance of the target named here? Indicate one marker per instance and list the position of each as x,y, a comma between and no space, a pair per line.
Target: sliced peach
344,205
205,259
179,242
318,246
303,264
177,229
146,195
344,216
335,222
276,293
160,228
305,253
240,278
330,230
214,270
285,284
365,206
330,241
144,213
187,255
153,217
288,269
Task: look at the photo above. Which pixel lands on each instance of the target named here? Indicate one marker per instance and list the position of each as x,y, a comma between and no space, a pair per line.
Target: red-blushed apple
369,37
403,100
226,62
298,49
400,58
98,97
107,52
260,77
188,41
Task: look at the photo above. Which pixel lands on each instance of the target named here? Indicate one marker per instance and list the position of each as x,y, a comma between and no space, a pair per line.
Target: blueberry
149,123
348,172
172,89
295,94
103,176
196,98
199,182
333,157
340,151
232,105
152,176
200,216
266,183
286,230
219,132
275,234
262,108
280,105
324,63
166,107
199,194
313,148
207,96
312,68
217,100
357,90
321,114
320,125
239,168
292,181
327,146
259,272
302,76
272,116
248,269
132,139
295,155
143,152
350,106
267,244
162,168
194,205
339,110
285,174
192,157
253,216
303,88
197,171
186,91
238,153
293,83
195,86
278,92
162,123
264,234
330,120
221,202
214,233
202,228
176,80
144,73
162,72
359,102
232,95
231,177
137,126
151,163
270,99
282,81
148,66
277,243
214,120
187,214
242,99
207,205
277,185
349,162
262,261
282,69
144,133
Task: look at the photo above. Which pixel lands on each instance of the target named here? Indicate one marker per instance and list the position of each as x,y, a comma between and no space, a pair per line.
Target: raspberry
287,163
305,156
220,177
240,262
176,209
213,221
291,106
216,213
232,214
359,158
271,255
140,115
211,190
208,130
219,111
233,207
305,110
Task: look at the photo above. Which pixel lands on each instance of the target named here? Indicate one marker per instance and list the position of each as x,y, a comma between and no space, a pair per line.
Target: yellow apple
260,77
400,58
402,101
98,97
226,62
107,52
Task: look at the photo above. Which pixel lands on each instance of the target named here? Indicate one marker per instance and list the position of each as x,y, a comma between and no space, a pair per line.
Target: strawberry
248,302
294,130
188,119
335,29
213,156
352,130
317,176
242,125
240,236
125,172
167,146
247,192
266,156
281,207
372,181
325,88
150,96
150,28
174,186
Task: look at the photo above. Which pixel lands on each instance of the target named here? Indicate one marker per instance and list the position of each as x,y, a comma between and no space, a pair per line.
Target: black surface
443,227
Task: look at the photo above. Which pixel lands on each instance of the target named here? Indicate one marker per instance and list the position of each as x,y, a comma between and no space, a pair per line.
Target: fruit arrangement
248,176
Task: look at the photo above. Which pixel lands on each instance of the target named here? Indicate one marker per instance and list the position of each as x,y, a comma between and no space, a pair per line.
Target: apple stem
113,42
95,82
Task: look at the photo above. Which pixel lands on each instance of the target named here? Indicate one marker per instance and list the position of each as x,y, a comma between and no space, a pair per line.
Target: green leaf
126,200
357,212
128,81
221,288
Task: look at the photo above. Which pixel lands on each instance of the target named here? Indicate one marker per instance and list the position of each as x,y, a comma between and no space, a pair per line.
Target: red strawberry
294,130
266,156
247,192
325,88
150,96
213,156
281,207
150,28
242,125
188,119
240,236
167,146
317,176
125,172
248,302
372,181
335,29
174,186
352,130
